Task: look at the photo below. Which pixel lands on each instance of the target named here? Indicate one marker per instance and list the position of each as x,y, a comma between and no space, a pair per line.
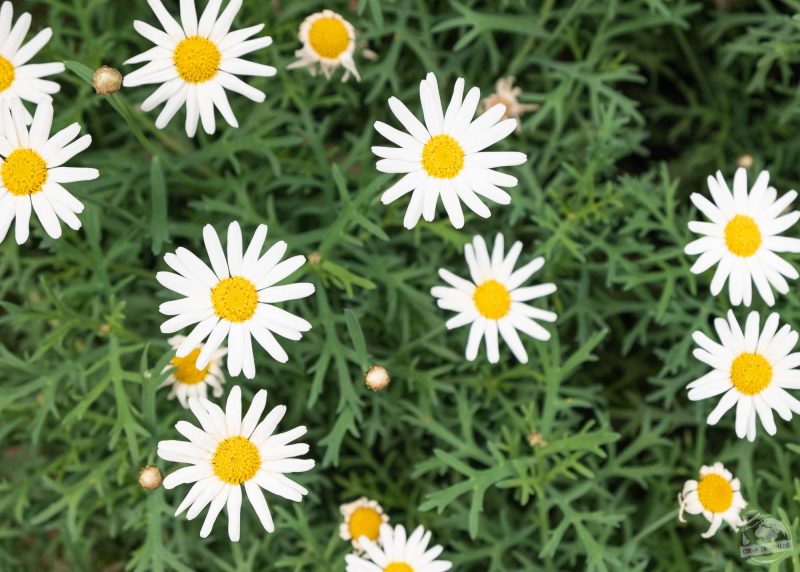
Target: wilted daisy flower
506,93
18,79
33,171
445,157
743,237
196,61
188,381
493,300
234,300
751,369
229,451
717,496
362,518
395,553
328,40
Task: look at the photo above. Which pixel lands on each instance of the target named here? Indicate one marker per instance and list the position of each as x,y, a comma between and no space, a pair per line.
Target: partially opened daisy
20,80
494,301
752,370
33,172
195,61
396,553
186,380
445,157
328,41
229,452
233,299
362,518
743,236
717,496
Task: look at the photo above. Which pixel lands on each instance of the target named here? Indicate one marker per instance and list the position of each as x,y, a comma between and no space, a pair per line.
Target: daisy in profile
233,299
396,553
195,61
328,41
752,370
445,157
188,381
717,496
506,93
742,237
228,452
33,171
362,518
493,301
18,79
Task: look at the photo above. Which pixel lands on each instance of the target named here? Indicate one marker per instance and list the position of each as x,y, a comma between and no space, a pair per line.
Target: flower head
743,236
506,93
445,157
716,495
393,552
195,61
362,518
228,452
188,381
328,40
493,301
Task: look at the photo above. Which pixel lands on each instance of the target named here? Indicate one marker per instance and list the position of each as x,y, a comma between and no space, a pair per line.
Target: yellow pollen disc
7,74
235,299
742,236
197,59
715,493
492,300
365,521
442,157
751,373
24,172
186,371
236,460
329,38
398,567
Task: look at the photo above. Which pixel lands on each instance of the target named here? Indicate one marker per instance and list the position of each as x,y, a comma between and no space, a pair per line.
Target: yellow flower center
7,74
235,299
751,373
236,460
365,522
742,236
328,37
197,59
24,172
442,157
398,567
492,300
715,493
186,371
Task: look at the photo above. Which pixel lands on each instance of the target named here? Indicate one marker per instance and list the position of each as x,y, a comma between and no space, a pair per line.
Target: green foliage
640,100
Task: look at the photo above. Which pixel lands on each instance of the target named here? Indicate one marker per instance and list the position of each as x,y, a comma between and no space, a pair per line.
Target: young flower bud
106,80
150,477
377,378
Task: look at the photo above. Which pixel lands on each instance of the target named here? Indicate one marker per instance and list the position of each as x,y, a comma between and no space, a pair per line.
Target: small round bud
314,258
377,378
535,439
106,80
150,477
745,161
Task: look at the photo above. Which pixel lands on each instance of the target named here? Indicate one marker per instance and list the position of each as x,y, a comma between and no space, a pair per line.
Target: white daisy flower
751,370
743,237
362,518
18,79
445,157
188,381
493,301
233,299
328,40
717,496
396,553
229,451
33,171
195,61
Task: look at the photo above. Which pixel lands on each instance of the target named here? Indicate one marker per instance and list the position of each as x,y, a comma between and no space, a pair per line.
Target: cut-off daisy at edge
396,552
328,41
445,157
717,496
742,237
186,380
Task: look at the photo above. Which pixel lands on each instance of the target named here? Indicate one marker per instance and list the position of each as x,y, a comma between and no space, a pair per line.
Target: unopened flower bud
377,378
106,80
745,161
150,477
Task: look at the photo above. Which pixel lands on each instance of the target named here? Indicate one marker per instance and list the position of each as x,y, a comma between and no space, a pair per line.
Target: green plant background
640,101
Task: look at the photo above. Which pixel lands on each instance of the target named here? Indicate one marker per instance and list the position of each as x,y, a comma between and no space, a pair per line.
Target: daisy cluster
753,367
234,294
